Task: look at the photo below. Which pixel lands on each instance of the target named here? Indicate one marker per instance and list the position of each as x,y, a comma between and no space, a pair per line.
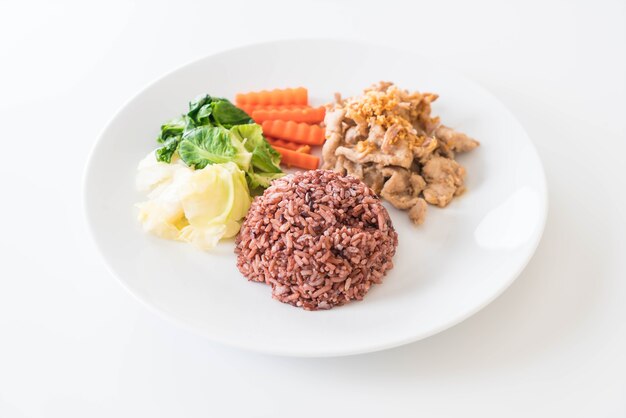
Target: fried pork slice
456,141
334,132
424,151
444,180
388,138
402,158
373,177
417,213
402,188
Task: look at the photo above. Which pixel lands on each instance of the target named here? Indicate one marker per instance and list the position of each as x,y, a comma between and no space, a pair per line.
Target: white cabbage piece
197,206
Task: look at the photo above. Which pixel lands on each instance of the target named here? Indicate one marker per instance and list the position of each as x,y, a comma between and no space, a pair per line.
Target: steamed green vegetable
261,181
170,137
213,145
172,128
215,111
214,131
225,114
265,159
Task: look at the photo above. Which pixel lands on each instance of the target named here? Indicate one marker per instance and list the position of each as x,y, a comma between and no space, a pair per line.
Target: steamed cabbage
198,206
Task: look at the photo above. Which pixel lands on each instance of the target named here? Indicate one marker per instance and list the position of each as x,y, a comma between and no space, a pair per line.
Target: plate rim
374,347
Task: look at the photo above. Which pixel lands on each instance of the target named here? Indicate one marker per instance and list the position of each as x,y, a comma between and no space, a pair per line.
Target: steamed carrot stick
279,107
306,149
297,96
308,115
249,108
298,159
282,143
301,133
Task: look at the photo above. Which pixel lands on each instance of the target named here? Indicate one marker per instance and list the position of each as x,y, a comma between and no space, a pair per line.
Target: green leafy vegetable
215,131
215,111
195,106
203,114
206,145
261,181
168,149
264,157
228,115
171,135
174,127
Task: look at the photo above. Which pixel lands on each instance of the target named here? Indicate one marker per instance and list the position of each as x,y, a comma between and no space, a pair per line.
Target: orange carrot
308,115
301,133
297,96
304,149
278,107
298,159
289,145
249,108
282,143
246,108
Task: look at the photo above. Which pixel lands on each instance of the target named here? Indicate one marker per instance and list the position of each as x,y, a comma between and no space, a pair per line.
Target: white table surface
74,343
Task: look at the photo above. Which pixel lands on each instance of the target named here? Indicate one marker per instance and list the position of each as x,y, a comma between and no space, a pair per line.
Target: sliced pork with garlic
388,138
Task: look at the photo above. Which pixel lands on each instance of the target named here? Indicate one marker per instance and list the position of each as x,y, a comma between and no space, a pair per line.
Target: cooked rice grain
318,238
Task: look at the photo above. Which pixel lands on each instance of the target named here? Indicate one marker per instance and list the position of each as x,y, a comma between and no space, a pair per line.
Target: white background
74,343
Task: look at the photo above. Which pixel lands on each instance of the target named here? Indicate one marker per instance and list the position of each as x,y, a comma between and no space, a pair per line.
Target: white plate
460,260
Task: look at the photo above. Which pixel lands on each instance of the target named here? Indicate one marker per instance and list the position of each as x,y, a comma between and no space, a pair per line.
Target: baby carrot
297,96
301,133
298,159
308,115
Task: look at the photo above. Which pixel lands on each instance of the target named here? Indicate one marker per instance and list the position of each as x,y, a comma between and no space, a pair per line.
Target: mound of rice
318,238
